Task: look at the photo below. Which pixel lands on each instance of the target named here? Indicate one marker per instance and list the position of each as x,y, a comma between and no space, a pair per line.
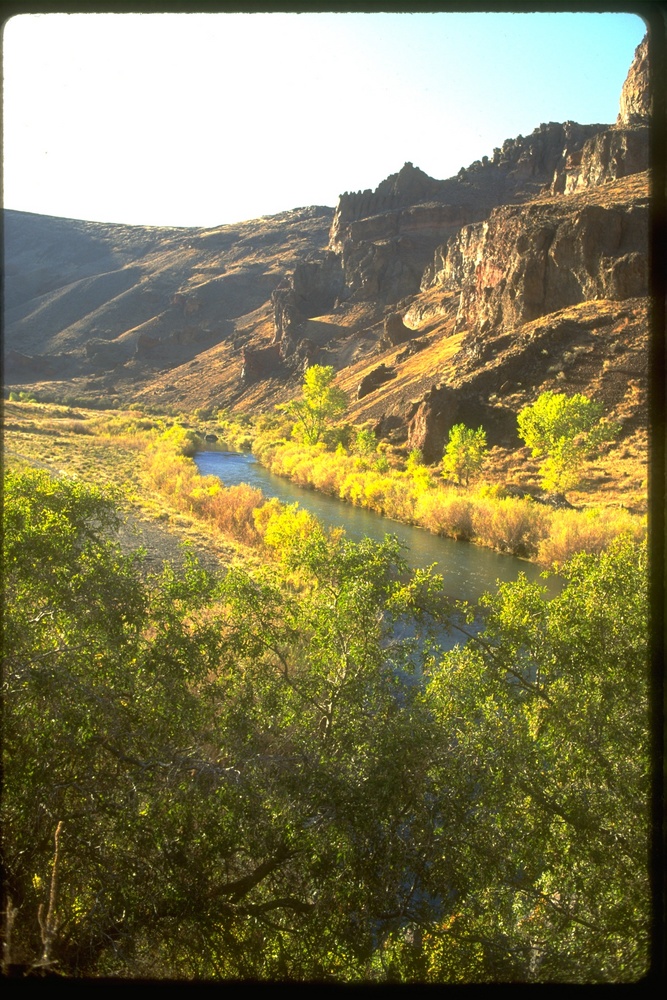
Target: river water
467,570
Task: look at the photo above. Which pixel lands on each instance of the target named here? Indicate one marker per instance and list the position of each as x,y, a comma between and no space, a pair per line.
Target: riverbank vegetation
152,455
485,514
277,774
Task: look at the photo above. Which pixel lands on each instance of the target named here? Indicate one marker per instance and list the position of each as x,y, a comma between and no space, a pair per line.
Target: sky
206,119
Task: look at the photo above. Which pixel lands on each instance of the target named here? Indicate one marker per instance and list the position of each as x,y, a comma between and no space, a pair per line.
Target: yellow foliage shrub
229,508
262,515
353,488
591,531
510,525
445,512
232,510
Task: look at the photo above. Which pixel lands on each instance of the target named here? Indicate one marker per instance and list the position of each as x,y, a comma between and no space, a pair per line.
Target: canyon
436,301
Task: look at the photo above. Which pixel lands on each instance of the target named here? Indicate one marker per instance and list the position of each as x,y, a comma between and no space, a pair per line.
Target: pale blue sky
204,119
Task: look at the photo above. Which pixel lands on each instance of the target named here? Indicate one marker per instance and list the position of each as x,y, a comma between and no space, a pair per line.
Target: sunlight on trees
277,774
322,402
465,452
565,429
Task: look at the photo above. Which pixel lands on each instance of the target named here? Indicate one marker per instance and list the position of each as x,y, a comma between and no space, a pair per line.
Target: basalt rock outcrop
635,102
395,331
611,154
431,419
21,367
381,241
525,262
617,151
311,290
386,237
583,239
260,363
375,378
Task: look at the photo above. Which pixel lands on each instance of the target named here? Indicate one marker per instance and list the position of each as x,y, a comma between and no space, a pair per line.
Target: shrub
445,512
288,528
592,531
509,525
232,510
185,441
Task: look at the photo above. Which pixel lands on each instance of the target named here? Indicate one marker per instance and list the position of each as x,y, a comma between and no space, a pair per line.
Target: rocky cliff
381,241
635,106
526,261
436,300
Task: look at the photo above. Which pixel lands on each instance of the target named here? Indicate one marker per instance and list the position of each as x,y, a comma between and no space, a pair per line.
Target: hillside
436,300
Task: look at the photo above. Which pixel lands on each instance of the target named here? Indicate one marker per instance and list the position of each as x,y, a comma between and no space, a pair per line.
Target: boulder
260,363
390,424
375,378
395,331
431,418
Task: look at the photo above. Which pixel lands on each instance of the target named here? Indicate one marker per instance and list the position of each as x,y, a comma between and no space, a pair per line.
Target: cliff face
545,288
608,156
428,296
381,241
620,150
636,93
310,290
526,261
386,237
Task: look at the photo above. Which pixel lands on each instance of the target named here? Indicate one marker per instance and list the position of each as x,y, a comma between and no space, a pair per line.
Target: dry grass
39,436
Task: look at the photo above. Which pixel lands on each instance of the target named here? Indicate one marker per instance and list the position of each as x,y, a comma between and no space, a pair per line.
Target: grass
114,453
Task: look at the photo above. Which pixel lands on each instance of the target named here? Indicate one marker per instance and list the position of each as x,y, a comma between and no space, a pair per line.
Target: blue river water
468,571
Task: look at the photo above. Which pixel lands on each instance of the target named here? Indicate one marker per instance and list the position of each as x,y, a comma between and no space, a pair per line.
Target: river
467,570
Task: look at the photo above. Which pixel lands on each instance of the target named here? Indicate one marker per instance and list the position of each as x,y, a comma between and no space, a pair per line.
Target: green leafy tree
321,403
546,715
465,452
216,759
276,774
563,430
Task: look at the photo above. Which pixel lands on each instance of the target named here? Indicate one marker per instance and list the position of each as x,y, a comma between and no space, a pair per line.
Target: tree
322,402
277,774
564,429
365,443
215,760
465,452
546,715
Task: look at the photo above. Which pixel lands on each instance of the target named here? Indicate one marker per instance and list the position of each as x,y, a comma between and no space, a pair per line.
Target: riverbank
486,515
151,457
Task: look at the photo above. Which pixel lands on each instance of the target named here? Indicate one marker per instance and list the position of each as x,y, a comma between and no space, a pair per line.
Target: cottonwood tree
220,757
276,774
321,403
465,452
546,715
563,430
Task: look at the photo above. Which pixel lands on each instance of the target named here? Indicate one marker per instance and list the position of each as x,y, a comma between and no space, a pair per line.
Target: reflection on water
467,570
